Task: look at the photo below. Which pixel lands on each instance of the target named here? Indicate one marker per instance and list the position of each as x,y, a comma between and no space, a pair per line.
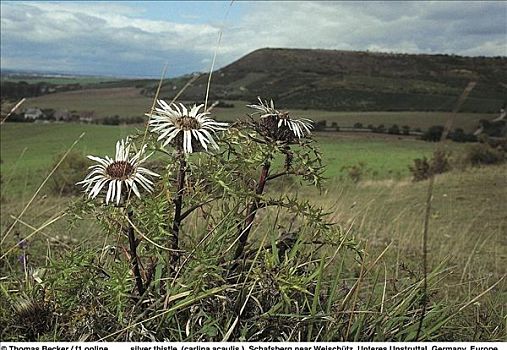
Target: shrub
355,172
358,125
395,130
320,125
73,169
433,134
405,130
114,120
495,129
459,135
483,154
423,168
440,162
420,169
380,129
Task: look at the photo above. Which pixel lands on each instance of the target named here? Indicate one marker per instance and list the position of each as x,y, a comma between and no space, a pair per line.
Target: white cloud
118,38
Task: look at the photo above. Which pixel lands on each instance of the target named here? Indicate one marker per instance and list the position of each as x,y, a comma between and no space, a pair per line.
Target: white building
33,113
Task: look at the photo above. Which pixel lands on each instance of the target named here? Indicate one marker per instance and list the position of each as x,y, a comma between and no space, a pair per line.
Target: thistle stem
252,210
178,204
134,260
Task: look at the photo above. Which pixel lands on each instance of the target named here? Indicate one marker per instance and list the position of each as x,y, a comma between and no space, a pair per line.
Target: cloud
100,39
430,27
120,38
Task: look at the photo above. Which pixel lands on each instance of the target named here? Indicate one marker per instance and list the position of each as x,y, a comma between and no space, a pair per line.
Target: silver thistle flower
118,172
300,127
181,125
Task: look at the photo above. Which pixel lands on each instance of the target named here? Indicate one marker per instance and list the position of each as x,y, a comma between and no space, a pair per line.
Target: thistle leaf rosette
186,128
279,124
123,173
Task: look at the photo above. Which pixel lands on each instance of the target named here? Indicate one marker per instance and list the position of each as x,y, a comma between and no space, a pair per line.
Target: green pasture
28,150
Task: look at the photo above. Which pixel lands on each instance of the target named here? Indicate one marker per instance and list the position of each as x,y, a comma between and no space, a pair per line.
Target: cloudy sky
139,38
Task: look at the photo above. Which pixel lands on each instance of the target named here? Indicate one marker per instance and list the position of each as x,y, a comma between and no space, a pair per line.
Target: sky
137,39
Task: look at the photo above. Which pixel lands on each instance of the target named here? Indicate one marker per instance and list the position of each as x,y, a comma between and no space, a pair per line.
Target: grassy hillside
315,80
345,80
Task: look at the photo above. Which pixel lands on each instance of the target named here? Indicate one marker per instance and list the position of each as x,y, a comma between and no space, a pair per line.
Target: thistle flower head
272,118
123,172
33,315
186,128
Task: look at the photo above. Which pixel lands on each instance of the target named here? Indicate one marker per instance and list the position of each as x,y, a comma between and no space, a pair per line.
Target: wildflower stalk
178,204
134,260
252,210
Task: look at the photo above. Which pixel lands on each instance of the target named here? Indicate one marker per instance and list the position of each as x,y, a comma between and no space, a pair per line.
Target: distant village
46,116
49,115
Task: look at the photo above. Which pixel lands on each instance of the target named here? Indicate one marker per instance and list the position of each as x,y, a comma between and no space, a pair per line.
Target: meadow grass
466,244
384,213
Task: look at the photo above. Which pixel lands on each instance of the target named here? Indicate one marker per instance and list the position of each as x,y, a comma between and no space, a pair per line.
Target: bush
423,169
380,129
420,169
483,154
114,120
358,125
440,162
395,130
405,130
433,134
355,172
459,135
73,169
320,125
495,129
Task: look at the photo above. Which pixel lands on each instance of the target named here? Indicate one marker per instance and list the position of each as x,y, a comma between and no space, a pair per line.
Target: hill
348,80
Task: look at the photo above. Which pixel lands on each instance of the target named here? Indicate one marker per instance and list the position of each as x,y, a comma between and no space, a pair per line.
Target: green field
128,102
29,149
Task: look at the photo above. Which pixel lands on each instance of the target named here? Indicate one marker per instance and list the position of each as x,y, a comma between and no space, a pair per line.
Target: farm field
62,80
128,102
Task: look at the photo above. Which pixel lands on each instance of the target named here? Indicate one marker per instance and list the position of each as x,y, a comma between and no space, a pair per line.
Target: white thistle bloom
299,127
181,125
114,173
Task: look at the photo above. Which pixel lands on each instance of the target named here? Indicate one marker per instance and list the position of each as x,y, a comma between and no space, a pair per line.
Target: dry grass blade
215,56
37,230
181,305
40,186
187,258
234,324
429,196
136,229
33,228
